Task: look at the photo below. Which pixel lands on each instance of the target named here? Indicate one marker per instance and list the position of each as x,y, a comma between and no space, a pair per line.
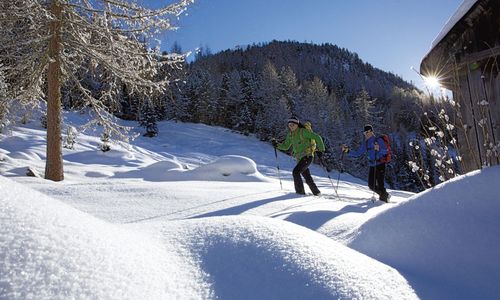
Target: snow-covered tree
181,103
71,134
176,48
290,88
200,91
3,101
44,43
273,108
315,105
105,139
248,110
3,85
364,107
148,119
230,99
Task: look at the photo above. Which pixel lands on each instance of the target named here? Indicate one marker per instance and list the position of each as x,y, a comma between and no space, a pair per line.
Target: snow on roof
457,16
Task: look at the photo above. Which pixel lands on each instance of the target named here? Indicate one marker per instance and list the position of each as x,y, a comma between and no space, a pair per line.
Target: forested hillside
256,88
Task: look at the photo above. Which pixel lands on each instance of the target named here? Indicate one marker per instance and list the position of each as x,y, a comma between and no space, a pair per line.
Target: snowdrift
50,250
228,168
445,239
261,258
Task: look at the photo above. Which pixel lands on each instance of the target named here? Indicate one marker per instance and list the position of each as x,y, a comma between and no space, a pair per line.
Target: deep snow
198,213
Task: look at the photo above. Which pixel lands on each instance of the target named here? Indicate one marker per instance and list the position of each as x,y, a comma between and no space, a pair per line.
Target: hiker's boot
385,197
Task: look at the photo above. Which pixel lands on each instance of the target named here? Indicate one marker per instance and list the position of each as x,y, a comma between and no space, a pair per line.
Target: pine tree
315,105
273,108
364,107
71,134
45,43
176,48
149,119
4,104
202,95
248,110
105,146
230,98
235,97
182,103
290,88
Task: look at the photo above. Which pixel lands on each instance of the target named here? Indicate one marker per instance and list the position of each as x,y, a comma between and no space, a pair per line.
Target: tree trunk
54,164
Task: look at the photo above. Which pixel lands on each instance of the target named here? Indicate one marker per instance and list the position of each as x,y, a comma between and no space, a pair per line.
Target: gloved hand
275,143
345,149
320,155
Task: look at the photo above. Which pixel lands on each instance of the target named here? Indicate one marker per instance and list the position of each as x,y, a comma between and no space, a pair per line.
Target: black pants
302,167
376,178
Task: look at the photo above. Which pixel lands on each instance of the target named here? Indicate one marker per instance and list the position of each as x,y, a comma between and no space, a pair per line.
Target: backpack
386,158
312,148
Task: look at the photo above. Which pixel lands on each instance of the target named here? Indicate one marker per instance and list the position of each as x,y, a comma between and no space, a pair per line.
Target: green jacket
301,141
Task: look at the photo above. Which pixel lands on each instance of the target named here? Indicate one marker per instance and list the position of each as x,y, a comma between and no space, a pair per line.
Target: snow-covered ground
198,213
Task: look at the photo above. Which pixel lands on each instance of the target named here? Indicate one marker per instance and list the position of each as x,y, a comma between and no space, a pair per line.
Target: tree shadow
315,219
309,219
195,207
237,210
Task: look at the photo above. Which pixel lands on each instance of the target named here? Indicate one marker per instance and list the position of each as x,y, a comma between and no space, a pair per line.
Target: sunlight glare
431,81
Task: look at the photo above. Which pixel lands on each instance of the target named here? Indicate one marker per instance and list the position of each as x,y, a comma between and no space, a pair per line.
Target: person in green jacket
303,142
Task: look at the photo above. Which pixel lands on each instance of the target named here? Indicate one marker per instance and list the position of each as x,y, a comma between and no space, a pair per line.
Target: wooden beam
478,56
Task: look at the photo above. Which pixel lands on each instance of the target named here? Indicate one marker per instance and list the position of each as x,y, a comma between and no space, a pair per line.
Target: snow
197,213
450,233
461,11
50,250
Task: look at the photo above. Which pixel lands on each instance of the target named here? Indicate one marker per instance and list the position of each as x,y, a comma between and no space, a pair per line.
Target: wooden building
465,57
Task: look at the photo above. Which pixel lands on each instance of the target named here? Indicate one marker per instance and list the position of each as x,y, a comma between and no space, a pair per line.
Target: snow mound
49,250
261,258
450,229
163,165
158,171
228,168
116,157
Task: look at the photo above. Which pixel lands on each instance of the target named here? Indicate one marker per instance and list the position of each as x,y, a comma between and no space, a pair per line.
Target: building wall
467,60
479,130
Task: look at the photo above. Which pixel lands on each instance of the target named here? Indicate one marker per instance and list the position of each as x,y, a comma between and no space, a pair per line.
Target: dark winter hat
294,120
368,128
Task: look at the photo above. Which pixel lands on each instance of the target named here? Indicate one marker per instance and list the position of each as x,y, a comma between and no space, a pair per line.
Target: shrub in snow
27,117
436,159
3,97
4,123
105,146
148,120
151,130
71,133
31,172
43,121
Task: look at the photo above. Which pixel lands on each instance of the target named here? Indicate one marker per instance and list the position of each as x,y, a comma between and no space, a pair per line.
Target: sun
432,81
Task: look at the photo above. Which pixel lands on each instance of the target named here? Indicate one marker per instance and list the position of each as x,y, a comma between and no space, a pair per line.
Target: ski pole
278,166
374,182
373,191
328,175
341,169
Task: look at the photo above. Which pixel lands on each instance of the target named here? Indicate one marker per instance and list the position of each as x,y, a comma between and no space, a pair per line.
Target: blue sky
392,35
